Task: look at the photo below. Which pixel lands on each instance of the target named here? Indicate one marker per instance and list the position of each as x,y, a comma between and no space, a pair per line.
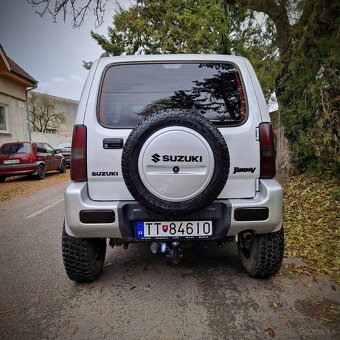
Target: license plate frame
11,161
145,230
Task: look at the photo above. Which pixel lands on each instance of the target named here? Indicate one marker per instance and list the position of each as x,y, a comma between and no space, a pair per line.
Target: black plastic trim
97,216
130,211
251,214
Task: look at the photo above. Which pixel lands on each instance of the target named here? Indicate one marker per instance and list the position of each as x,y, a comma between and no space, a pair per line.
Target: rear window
15,148
131,92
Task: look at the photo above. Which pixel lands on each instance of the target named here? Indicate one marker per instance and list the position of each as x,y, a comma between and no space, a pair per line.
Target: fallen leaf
270,332
147,288
133,287
325,319
274,304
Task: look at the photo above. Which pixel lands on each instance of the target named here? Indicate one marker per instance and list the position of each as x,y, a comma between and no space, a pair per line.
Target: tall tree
173,26
43,116
307,84
190,26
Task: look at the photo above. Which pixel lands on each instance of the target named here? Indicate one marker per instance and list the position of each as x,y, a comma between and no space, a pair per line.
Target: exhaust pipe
248,237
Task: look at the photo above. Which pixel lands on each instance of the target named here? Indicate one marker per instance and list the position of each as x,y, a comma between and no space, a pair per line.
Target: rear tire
83,257
41,172
262,255
62,168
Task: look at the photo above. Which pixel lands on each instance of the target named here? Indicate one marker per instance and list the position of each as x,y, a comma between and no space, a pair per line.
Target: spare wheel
175,163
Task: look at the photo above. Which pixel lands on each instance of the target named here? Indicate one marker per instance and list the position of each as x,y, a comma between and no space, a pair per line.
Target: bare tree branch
77,9
42,113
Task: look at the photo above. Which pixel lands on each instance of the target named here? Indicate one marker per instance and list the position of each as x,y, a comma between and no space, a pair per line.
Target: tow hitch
171,250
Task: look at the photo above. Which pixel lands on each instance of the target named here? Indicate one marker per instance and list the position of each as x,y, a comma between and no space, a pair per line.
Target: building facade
14,84
66,107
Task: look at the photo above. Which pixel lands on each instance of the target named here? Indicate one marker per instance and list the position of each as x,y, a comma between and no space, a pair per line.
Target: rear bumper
18,169
261,214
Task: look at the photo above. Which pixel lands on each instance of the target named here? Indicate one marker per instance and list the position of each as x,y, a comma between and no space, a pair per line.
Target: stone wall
50,138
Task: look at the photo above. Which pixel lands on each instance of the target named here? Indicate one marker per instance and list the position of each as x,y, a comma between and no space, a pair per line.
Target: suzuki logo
155,157
176,158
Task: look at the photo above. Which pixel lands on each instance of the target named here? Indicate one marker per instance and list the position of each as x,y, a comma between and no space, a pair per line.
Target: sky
52,53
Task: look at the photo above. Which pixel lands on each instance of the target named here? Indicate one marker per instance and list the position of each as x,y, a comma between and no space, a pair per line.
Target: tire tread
78,258
266,256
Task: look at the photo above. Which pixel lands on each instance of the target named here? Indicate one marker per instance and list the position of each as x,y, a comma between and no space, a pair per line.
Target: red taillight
32,158
267,151
78,154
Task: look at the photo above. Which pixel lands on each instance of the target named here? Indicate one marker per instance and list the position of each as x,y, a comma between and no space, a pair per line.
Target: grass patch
312,223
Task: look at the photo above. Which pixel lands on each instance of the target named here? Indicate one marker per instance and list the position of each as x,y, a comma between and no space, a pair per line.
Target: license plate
12,161
174,229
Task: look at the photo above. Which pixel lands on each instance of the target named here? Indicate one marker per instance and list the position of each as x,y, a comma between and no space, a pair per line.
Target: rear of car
169,149
18,158
29,158
65,150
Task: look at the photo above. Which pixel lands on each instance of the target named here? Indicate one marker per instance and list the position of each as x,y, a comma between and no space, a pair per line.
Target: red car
28,158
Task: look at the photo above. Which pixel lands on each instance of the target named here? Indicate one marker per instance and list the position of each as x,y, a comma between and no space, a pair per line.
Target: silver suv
172,149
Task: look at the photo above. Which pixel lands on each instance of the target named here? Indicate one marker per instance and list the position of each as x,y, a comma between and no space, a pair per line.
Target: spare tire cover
175,163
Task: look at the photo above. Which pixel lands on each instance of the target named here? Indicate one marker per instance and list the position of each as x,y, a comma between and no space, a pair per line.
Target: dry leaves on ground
312,220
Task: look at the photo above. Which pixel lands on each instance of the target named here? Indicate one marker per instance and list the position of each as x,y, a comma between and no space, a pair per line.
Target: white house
14,84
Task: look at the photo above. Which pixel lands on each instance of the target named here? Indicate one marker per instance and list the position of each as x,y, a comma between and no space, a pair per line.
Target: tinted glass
15,148
41,148
48,148
131,92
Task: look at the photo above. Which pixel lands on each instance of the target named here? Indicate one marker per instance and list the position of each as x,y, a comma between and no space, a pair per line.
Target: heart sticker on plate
165,227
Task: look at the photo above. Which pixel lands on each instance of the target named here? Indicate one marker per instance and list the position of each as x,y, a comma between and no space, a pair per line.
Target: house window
4,118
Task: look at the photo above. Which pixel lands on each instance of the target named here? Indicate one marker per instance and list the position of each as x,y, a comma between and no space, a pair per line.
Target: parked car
65,150
170,150
28,158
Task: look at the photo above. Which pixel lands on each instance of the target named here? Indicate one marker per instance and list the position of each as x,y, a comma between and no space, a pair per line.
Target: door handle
113,143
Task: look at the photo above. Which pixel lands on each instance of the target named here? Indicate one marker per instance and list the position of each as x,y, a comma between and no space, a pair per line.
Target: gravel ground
23,186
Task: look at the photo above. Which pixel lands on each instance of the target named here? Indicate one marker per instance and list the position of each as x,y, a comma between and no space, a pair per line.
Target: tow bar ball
171,250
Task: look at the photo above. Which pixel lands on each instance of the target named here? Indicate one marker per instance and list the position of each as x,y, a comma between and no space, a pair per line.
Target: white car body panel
241,140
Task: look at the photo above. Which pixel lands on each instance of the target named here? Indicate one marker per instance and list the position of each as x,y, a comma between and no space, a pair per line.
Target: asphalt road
140,295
